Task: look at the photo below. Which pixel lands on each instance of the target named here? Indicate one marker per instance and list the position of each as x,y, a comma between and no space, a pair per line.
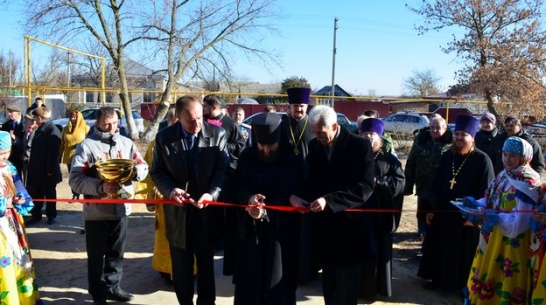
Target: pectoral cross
452,182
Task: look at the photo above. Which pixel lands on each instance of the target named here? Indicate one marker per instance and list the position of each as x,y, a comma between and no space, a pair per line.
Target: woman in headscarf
17,278
501,271
72,135
376,275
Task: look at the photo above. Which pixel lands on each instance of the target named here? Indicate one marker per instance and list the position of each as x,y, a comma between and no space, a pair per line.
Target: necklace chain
455,173
296,150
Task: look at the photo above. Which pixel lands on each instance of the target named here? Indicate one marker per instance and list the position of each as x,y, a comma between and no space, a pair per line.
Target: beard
462,148
268,158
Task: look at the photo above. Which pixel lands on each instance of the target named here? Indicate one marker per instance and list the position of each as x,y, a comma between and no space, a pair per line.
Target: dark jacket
17,146
484,140
44,166
345,181
170,169
537,163
235,140
423,160
33,107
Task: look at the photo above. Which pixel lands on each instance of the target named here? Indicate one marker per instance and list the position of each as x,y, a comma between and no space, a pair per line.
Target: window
89,97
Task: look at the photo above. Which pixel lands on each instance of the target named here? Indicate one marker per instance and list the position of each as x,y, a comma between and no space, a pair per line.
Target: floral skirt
17,284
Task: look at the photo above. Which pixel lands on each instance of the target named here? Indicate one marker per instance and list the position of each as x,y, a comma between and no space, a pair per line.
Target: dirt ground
60,262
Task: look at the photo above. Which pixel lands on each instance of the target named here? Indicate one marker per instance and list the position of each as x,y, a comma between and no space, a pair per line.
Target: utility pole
334,64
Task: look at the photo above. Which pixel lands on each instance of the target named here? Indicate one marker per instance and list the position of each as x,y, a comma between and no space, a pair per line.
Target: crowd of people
480,209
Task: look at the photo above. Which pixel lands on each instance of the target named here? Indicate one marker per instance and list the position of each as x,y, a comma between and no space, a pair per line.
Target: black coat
44,166
376,275
17,146
345,181
267,251
170,170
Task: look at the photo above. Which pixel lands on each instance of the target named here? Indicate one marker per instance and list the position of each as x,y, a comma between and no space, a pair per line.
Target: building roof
327,90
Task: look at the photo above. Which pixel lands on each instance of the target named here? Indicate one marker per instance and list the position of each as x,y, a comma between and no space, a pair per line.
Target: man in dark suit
341,176
17,132
44,166
190,165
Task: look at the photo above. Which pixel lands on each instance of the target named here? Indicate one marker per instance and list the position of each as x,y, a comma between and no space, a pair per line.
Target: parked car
3,118
342,120
405,122
89,115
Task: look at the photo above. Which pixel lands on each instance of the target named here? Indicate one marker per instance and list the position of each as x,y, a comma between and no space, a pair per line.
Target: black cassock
449,246
376,276
298,134
266,260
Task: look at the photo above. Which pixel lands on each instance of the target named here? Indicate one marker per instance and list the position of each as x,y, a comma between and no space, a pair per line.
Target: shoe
32,221
99,302
120,295
51,220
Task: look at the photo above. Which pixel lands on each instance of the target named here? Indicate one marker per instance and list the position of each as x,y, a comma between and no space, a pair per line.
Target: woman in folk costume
376,275
161,259
72,135
17,285
501,270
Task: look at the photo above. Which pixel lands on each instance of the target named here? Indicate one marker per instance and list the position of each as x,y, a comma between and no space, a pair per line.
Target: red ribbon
225,204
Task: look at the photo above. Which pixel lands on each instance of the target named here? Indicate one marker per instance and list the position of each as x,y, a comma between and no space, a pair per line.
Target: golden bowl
115,170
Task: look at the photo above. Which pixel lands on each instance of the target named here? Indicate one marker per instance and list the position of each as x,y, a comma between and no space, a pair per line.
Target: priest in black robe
451,241
297,133
376,274
267,250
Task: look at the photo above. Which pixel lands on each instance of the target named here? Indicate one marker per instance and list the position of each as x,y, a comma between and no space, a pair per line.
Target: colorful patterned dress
17,278
501,270
539,266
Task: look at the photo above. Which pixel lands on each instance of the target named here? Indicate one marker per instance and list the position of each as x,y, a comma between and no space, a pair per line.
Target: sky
377,45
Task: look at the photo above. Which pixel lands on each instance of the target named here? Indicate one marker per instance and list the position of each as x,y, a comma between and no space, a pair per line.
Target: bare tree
10,71
203,39
73,21
422,83
502,49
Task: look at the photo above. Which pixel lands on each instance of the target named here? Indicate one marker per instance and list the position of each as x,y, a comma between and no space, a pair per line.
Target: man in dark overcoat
341,176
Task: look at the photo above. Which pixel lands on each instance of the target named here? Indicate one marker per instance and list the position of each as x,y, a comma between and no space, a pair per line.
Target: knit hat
5,140
518,146
489,117
373,125
468,124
